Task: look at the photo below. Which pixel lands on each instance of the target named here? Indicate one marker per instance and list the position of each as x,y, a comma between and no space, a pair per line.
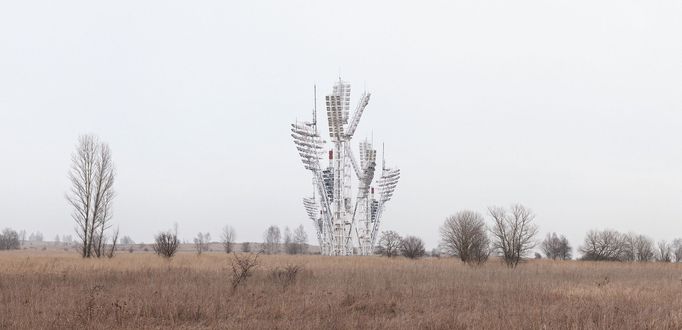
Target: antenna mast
346,223
315,107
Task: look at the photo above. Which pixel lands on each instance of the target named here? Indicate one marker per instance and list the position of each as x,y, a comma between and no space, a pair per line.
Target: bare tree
296,242
556,247
272,238
166,244
91,195
67,239
201,242
228,236
634,247
301,240
36,237
664,252
289,245
246,247
677,250
112,247
126,240
606,245
513,233
389,244
412,247
9,240
463,235
22,236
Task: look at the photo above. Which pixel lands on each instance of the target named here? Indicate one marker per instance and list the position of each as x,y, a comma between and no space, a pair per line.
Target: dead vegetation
143,291
242,268
285,276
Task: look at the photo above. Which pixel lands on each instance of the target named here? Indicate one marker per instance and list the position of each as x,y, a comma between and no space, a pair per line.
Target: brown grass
135,291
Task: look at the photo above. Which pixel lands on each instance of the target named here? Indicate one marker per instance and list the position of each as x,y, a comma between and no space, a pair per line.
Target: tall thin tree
92,179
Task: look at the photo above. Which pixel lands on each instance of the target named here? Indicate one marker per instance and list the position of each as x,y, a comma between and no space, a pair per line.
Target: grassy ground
61,290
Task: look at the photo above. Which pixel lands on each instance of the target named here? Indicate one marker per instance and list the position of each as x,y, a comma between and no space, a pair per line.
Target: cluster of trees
611,245
511,235
201,242
391,244
556,247
294,243
167,243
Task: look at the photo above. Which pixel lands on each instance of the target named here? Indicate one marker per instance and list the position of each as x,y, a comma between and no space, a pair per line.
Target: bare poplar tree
513,233
289,245
111,251
227,238
91,195
301,240
463,235
271,239
22,236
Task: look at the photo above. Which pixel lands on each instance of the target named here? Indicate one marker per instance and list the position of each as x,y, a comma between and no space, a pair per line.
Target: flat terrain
140,290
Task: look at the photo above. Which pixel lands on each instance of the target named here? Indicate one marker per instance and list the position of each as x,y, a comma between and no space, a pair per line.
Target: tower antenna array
345,223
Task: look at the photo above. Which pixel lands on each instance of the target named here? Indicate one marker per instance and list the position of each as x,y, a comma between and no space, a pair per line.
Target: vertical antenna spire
315,107
383,157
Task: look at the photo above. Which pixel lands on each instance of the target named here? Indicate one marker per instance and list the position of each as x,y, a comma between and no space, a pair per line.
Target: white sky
572,108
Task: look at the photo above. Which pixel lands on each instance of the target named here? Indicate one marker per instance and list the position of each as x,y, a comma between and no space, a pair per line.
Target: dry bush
285,276
166,244
412,247
242,268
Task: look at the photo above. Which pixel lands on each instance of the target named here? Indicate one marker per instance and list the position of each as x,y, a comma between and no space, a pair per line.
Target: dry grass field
59,290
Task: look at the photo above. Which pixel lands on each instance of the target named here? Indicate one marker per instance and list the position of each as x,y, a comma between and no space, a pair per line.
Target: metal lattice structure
344,225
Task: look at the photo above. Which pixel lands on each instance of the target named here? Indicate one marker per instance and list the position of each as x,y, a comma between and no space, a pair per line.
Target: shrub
166,244
412,247
242,268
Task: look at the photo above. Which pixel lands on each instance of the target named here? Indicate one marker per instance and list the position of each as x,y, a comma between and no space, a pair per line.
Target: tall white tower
344,225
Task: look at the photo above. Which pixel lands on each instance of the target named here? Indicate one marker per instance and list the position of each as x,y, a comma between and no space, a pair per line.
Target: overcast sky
572,108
